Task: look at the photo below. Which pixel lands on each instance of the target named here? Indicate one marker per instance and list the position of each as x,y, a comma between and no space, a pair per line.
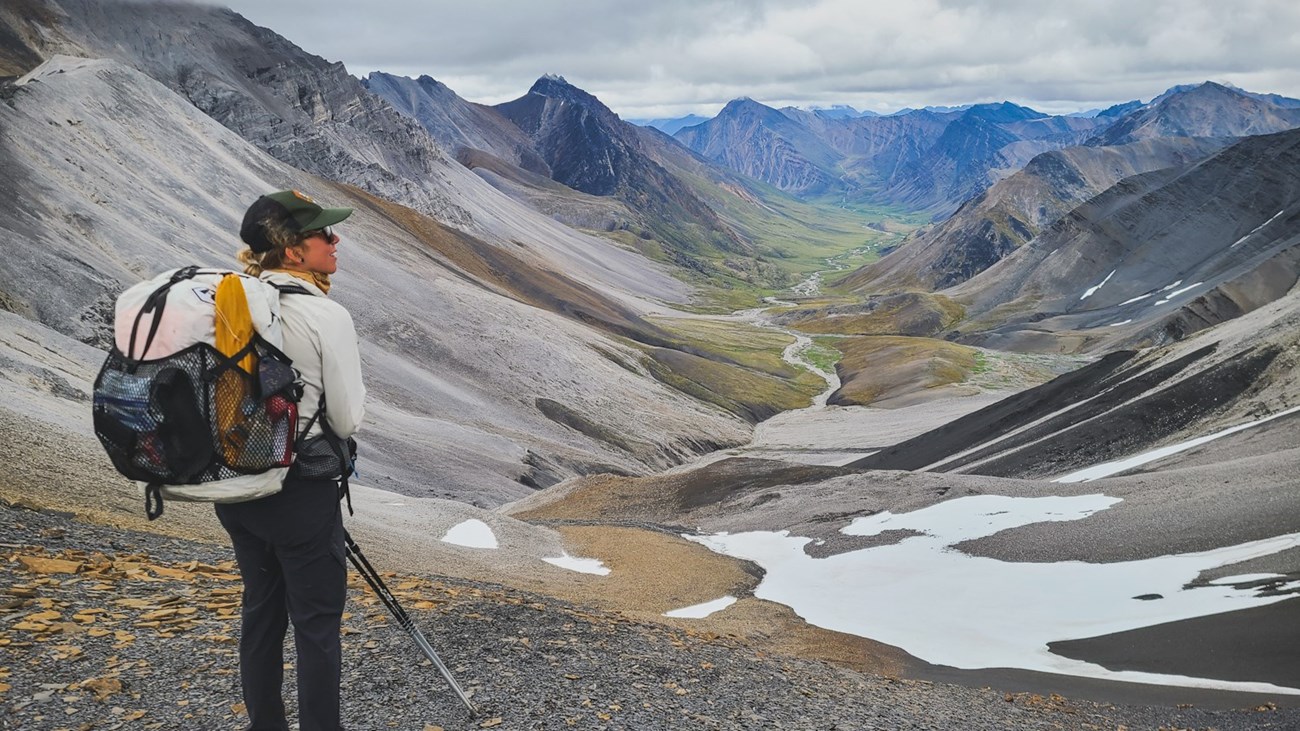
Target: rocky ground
102,628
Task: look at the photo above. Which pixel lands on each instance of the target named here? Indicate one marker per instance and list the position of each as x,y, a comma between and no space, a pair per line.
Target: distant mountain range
670,125
919,160
935,160
561,151
1177,128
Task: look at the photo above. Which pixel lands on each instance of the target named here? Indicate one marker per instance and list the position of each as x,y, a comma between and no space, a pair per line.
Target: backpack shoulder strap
155,304
290,288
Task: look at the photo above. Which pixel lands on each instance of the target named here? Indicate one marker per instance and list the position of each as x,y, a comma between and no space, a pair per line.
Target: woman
290,545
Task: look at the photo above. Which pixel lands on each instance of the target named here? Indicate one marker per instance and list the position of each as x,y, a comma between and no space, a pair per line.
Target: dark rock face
1118,409
994,421
588,148
1135,424
585,146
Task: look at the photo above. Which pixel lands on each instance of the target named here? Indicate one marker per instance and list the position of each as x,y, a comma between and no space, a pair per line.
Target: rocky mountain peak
1204,85
556,87
1119,110
744,104
1206,90
1208,109
1003,112
590,149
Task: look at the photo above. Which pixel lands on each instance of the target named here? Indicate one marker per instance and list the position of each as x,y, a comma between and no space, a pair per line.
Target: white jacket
320,339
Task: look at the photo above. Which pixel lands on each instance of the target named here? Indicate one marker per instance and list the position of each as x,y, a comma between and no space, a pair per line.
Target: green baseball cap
296,210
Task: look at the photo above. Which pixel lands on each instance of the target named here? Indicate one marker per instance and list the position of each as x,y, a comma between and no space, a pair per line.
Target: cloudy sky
665,58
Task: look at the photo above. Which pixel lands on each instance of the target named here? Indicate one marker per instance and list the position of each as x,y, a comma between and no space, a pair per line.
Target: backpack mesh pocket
324,457
192,417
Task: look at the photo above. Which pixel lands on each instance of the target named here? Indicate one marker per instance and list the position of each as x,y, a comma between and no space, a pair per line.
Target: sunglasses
327,233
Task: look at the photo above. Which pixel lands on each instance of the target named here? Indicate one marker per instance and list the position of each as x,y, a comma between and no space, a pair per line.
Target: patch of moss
729,341
914,314
823,354
751,395
880,367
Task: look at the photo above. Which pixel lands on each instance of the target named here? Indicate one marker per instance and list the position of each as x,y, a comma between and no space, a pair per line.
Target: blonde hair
282,239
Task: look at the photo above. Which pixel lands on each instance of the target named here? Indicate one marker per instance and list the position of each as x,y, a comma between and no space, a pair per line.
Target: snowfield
949,608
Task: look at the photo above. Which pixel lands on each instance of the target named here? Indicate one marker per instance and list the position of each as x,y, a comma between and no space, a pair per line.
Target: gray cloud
677,56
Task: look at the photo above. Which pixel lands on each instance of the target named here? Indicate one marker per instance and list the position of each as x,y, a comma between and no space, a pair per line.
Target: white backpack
181,418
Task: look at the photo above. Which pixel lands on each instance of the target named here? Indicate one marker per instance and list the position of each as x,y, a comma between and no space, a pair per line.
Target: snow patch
1135,299
700,611
1092,290
1106,469
580,565
1117,324
472,533
1257,229
1176,292
949,608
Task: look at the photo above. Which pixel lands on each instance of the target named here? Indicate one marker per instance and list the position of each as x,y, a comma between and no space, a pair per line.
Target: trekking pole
376,583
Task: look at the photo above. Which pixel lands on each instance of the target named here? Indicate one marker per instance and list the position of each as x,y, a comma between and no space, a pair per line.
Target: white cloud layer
672,57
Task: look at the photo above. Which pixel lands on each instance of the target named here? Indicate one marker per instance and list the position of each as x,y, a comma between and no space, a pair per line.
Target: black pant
290,552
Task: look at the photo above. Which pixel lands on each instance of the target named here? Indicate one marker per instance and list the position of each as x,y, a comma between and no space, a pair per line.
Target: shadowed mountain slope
457,124
1125,404
590,149
1156,257
484,141
1000,220
475,392
313,115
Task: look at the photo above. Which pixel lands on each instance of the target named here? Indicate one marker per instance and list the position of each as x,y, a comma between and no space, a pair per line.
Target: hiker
289,545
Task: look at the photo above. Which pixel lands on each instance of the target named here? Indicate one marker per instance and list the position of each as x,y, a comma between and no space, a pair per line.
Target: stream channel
825,434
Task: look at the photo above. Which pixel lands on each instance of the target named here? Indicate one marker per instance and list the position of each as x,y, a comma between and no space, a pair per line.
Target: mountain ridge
1013,210
458,348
